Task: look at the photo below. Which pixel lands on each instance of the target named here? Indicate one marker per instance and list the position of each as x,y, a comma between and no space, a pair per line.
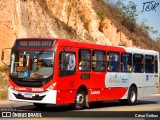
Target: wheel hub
133,96
80,98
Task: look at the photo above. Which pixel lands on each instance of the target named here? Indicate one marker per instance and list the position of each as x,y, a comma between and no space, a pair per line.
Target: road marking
139,108
37,118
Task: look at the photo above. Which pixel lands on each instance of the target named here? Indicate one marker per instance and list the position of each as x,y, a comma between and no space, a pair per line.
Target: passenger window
67,63
138,63
84,60
99,61
113,62
156,64
126,62
149,64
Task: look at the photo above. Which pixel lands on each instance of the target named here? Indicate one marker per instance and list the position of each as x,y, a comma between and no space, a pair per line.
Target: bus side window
67,63
156,65
99,61
113,62
138,63
126,62
84,60
149,64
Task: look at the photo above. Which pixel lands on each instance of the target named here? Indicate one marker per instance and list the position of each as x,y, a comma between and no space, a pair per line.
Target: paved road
151,103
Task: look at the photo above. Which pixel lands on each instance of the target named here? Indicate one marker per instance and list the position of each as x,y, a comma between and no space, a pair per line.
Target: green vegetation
3,82
128,15
86,23
101,13
124,16
146,29
4,69
3,94
69,10
123,44
69,1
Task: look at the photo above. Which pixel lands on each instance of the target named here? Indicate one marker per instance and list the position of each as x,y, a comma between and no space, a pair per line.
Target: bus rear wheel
132,96
39,105
80,100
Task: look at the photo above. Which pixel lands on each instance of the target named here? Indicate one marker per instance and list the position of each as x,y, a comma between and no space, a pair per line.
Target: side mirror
4,58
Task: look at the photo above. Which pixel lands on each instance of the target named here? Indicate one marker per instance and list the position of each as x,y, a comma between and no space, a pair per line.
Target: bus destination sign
35,43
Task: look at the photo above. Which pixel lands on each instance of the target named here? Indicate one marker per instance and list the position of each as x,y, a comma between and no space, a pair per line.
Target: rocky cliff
73,19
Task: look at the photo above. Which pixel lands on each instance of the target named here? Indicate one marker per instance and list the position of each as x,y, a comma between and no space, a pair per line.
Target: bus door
151,75
67,73
84,68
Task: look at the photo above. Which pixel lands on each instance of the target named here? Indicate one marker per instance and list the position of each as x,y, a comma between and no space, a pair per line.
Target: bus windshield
32,64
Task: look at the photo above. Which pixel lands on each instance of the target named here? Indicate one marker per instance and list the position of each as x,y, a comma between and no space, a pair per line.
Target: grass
4,69
69,1
3,94
69,10
3,82
101,13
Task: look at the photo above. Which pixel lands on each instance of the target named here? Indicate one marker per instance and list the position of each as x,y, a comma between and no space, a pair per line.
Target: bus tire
80,100
132,96
39,105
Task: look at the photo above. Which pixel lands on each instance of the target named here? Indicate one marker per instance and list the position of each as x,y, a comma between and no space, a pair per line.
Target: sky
148,10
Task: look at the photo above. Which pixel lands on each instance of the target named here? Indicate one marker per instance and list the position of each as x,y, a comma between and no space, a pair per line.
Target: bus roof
140,51
86,45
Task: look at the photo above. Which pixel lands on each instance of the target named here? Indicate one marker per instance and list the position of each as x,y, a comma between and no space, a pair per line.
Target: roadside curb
155,95
6,101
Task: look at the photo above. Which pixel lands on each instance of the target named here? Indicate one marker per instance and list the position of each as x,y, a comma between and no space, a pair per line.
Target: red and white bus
61,71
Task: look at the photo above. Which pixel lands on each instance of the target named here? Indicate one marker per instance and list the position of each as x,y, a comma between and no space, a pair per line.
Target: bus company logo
21,115
147,77
6,114
114,78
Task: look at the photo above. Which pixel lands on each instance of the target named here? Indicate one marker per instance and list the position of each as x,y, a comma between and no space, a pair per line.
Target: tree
129,14
145,28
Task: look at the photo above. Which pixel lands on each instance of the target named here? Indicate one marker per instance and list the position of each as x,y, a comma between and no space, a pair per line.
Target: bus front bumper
47,97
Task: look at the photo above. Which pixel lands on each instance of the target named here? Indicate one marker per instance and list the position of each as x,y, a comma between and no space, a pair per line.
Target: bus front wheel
132,96
80,100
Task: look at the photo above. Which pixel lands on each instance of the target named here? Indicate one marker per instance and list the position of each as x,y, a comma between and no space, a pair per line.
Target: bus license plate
28,95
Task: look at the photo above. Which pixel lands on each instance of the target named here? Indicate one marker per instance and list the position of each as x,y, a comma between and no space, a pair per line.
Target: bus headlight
51,87
9,85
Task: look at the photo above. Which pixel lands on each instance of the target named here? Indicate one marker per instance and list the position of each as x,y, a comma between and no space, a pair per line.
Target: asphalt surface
147,104
150,103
